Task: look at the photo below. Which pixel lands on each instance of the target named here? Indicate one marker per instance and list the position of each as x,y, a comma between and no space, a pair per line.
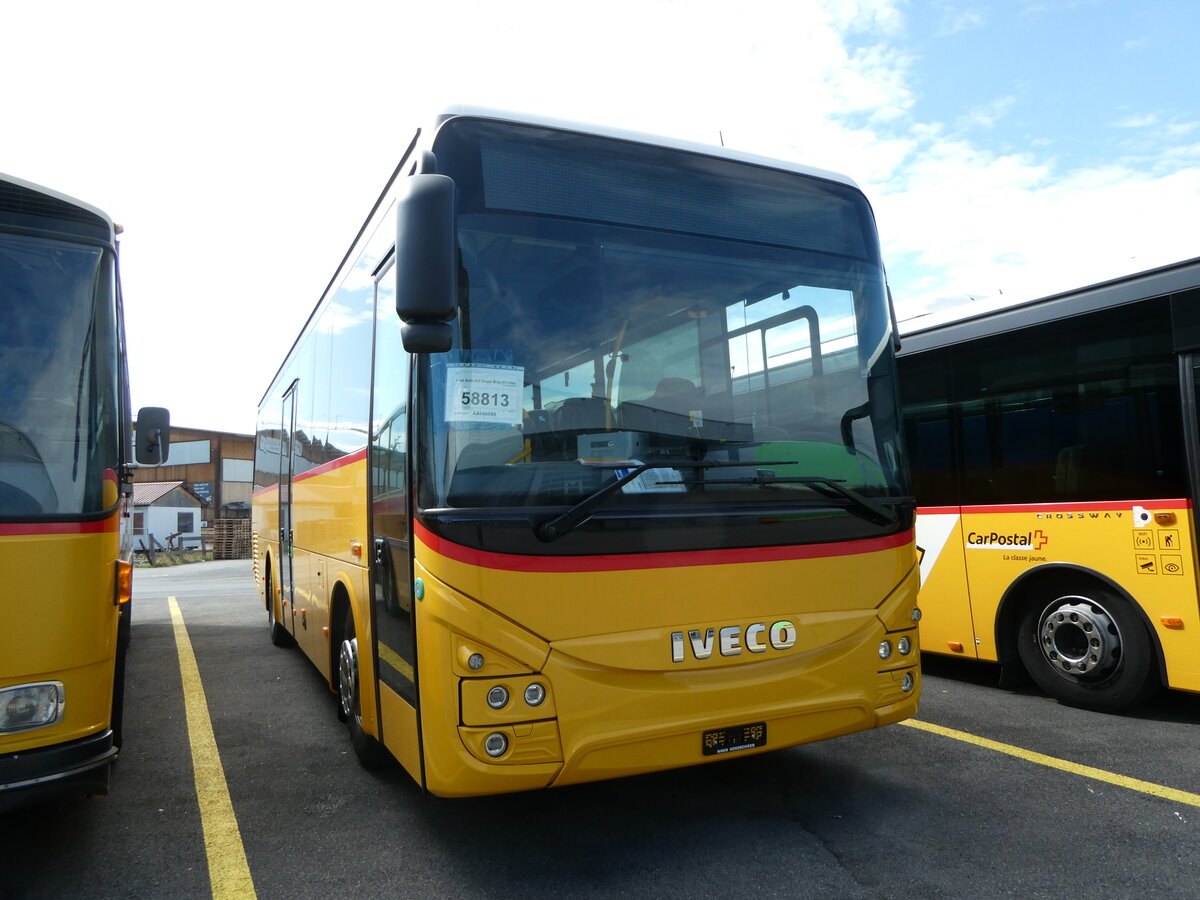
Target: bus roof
478,112
1169,279
25,197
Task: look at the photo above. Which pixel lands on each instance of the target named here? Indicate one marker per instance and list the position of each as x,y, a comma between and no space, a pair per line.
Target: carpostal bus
64,535
588,463
1056,464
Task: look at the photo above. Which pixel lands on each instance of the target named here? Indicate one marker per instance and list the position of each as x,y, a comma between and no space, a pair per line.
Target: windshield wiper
572,518
861,506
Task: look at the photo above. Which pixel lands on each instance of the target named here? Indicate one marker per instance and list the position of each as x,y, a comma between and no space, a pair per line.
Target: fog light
535,694
496,744
885,649
31,706
498,697
475,661
904,645
907,682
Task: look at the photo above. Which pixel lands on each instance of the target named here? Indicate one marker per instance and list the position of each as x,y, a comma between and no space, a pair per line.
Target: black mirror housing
426,258
426,337
153,435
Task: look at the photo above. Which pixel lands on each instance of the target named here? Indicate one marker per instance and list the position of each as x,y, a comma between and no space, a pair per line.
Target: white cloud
1142,121
987,114
958,20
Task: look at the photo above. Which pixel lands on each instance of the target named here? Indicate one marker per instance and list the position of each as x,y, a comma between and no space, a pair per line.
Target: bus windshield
723,325
59,412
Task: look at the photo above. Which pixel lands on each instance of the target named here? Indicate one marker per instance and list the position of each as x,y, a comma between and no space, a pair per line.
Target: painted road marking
228,870
1133,784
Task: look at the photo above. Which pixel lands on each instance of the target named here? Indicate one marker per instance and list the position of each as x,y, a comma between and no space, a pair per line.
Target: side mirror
153,435
426,262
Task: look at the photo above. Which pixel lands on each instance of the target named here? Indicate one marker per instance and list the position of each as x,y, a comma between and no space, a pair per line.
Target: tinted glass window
59,391
1080,409
626,305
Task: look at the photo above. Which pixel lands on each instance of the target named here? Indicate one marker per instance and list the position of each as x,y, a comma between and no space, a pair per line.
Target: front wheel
1088,650
368,750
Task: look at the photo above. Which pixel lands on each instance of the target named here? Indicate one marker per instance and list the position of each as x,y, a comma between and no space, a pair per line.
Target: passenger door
391,553
287,466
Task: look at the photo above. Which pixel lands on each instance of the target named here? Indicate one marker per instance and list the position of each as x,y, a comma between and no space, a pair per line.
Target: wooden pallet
229,538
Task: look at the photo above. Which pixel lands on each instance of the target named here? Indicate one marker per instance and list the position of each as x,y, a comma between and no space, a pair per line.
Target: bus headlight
497,697
904,645
535,694
885,649
27,706
496,744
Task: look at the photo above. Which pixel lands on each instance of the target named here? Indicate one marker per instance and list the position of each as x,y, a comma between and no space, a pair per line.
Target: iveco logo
731,640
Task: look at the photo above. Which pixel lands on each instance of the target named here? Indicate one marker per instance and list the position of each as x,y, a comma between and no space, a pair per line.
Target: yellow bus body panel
60,624
601,644
946,622
1153,563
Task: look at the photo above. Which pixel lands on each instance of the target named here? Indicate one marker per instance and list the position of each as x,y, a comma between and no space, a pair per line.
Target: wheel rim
348,675
1079,637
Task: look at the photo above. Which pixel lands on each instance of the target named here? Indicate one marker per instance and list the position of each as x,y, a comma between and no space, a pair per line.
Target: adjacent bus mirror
153,435
426,262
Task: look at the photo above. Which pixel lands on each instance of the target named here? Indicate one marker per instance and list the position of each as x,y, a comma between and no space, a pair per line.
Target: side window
928,429
1080,410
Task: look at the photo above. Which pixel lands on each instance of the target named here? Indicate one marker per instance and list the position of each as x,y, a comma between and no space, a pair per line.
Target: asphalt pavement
899,812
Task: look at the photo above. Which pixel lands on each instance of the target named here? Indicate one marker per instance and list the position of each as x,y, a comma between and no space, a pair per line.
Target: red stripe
1091,506
356,456
30,528
631,561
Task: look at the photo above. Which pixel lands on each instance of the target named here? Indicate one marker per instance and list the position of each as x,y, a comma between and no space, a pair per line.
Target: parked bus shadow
691,825
1165,706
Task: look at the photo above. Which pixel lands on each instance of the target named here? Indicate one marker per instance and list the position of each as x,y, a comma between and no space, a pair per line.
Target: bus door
1189,389
287,466
394,630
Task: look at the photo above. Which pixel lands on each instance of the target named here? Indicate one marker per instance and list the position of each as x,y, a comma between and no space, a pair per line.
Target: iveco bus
588,463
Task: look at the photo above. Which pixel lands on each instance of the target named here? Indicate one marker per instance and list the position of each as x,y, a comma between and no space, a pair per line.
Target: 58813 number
482,398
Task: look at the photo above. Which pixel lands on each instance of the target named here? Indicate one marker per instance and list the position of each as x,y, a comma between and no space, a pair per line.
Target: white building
167,510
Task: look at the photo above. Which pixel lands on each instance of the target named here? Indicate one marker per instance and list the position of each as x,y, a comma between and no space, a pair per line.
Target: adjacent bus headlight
497,697
29,706
904,645
885,649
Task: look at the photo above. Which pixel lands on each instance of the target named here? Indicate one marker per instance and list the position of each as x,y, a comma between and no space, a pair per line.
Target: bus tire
279,634
369,751
1088,649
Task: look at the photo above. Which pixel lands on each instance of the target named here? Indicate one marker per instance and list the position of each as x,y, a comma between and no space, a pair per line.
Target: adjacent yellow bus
64,450
1056,465
588,463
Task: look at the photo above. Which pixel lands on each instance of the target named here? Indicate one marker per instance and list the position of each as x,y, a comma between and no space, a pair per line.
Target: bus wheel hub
348,674
1078,637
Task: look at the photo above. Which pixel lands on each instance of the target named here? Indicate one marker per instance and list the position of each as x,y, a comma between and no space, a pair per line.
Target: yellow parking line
1133,784
228,870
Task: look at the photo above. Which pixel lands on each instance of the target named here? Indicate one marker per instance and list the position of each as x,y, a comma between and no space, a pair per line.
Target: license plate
731,740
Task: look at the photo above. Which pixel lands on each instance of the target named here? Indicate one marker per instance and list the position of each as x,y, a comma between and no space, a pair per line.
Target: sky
1010,148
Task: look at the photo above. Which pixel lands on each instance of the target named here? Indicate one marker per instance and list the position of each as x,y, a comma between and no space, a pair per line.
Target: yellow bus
64,536
588,463
1056,464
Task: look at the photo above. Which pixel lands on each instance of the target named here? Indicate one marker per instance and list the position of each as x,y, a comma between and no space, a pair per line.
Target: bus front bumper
75,769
